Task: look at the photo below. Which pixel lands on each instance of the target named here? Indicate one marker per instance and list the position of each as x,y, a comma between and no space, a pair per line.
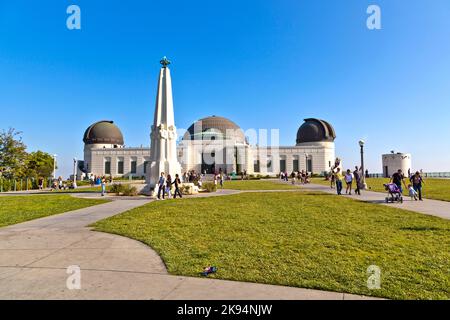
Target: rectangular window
256,166
283,165
145,166
295,165
120,167
309,165
269,165
133,166
107,167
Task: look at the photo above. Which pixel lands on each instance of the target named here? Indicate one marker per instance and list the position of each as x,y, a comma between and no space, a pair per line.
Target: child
412,193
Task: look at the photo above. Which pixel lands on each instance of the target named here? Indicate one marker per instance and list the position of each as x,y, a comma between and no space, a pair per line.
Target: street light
74,173
54,166
363,172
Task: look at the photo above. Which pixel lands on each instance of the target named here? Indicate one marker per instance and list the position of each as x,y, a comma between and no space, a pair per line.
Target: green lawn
301,239
437,189
256,185
16,209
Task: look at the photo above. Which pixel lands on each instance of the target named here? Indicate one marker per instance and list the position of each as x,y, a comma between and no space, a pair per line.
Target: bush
209,186
117,188
185,189
83,183
130,191
123,190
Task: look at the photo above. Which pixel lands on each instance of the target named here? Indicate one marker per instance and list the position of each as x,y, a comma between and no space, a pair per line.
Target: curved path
35,255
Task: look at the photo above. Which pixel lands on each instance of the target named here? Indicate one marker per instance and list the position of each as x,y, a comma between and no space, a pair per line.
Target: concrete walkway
35,255
430,207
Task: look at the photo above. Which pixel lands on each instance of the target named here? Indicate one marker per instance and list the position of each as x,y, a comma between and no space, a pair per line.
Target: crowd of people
166,184
56,184
301,177
338,178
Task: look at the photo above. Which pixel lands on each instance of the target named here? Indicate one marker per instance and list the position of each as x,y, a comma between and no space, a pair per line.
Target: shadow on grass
423,229
375,201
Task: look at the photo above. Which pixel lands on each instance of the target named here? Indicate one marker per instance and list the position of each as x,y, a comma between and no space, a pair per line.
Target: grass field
301,239
16,209
437,189
256,185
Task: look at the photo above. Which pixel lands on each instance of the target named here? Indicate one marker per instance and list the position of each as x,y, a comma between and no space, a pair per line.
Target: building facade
392,162
210,145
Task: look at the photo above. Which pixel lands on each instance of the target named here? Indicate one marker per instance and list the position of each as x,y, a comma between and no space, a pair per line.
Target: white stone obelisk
163,148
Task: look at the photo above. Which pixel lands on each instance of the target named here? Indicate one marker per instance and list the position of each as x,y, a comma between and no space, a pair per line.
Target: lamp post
74,173
54,166
363,172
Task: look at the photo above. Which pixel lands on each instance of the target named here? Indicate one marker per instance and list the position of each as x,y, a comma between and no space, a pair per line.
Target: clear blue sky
263,64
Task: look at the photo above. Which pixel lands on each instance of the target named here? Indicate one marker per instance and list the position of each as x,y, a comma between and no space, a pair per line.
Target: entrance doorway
209,168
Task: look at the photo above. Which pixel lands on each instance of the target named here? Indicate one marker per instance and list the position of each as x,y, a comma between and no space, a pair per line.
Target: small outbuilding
394,161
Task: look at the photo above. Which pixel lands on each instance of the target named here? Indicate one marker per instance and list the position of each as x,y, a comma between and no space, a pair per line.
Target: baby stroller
394,193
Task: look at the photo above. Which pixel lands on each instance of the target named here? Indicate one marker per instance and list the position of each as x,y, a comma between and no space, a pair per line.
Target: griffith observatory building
210,145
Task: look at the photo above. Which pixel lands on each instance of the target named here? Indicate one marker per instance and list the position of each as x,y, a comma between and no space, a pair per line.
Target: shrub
117,188
123,190
185,189
209,186
130,191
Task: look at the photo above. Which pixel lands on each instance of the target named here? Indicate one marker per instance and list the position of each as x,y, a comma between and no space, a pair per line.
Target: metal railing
443,175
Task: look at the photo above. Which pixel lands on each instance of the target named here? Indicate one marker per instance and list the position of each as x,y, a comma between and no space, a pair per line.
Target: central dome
103,132
214,127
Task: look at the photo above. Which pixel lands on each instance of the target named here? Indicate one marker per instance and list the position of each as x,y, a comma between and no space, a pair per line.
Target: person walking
41,183
221,177
176,182
339,177
417,182
169,186
357,177
161,185
348,182
398,178
103,184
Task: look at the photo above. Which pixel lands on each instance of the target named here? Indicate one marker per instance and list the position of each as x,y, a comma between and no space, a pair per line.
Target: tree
39,164
12,154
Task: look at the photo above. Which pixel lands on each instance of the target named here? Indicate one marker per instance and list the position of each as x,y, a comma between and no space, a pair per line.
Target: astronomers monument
163,136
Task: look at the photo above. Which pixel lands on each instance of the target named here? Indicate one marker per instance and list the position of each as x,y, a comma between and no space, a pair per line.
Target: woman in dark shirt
417,182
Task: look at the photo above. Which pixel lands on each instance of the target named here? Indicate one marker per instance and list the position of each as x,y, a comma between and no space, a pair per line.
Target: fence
437,175
442,175
23,184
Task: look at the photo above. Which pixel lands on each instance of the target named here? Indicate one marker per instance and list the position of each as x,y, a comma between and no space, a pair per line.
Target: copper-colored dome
103,132
315,130
214,126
